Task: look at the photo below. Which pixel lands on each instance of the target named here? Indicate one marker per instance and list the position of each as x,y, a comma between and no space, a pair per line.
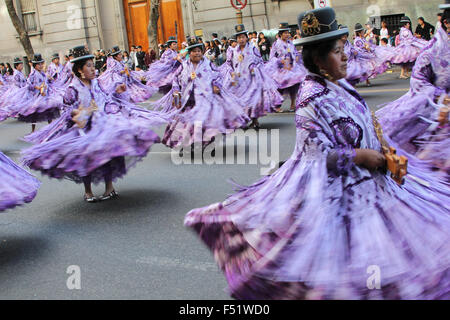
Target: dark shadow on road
277,125
130,203
17,251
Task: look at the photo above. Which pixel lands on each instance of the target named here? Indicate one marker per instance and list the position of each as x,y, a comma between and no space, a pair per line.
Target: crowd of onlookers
136,59
5,68
388,36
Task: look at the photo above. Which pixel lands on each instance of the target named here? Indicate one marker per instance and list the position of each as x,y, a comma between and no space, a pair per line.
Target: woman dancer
285,66
360,63
117,73
96,138
10,92
206,109
227,67
249,82
54,69
162,73
412,120
408,49
37,101
329,215
66,74
379,57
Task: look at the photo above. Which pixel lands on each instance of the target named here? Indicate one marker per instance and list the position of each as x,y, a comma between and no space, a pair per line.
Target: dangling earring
325,74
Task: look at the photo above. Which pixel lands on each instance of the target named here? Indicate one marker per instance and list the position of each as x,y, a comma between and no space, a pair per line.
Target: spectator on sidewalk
424,29
264,46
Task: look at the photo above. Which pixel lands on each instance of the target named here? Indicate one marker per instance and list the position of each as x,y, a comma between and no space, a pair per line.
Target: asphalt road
135,247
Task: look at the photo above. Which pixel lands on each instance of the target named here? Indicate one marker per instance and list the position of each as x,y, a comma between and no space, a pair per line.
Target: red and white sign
239,4
322,3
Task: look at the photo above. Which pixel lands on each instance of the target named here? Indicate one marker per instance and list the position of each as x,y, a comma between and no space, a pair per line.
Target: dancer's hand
74,113
216,89
121,88
446,101
369,159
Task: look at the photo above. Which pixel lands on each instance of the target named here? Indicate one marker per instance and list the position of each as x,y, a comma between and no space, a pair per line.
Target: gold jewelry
325,74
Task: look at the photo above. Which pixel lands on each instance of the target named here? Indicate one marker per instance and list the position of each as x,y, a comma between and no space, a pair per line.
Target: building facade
57,25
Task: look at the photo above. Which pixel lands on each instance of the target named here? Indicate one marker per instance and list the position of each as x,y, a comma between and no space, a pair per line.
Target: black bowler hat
37,58
80,53
240,29
171,39
341,26
55,56
284,26
358,27
17,61
115,51
318,25
405,19
215,36
193,43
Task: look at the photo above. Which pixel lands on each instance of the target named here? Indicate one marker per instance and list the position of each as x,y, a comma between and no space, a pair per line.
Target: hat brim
115,53
282,30
444,6
89,56
197,45
241,32
359,29
321,37
40,61
171,41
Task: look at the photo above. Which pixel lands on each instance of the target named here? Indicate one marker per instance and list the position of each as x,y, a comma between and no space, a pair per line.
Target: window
29,18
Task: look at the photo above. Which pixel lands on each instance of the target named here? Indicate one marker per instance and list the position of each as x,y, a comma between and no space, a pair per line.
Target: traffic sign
239,4
322,3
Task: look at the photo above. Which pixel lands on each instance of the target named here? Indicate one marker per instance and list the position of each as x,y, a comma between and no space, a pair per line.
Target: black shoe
112,195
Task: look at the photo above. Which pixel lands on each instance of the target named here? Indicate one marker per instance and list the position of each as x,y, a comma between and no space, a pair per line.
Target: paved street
135,247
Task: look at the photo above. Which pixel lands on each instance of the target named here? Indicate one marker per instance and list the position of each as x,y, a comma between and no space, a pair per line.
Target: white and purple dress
319,226
29,105
409,47
251,84
114,139
9,95
115,74
54,71
203,113
17,186
285,66
411,120
359,65
66,74
366,60
227,67
161,73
